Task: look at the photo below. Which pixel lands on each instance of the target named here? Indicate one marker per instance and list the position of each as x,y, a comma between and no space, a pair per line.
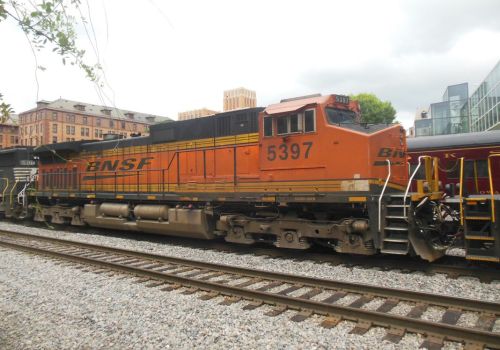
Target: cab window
340,116
291,124
268,126
309,121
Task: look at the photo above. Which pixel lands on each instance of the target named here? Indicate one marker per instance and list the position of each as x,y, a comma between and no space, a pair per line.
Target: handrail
461,191
11,193
382,194
22,194
5,189
492,190
409,183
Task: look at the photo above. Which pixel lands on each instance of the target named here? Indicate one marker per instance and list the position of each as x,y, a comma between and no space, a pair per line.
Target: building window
68,129
84,120
87,131
54,115
72,130
96,133
54,128
98,122
111,123
70,118
134,127
54,139
123,124
82,131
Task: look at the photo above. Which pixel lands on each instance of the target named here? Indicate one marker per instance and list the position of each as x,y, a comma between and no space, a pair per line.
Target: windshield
340,116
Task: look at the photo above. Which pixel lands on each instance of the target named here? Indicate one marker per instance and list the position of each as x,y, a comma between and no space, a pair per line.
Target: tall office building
195,113
450,116
484,104
239,98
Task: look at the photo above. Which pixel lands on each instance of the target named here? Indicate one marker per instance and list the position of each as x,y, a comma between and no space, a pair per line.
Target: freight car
470,172
300,172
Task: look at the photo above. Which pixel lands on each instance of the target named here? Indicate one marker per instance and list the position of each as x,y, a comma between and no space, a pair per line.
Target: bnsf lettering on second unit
119,165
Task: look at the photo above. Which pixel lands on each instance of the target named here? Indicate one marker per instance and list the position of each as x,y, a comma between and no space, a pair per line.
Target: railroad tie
230,300
394,335
155,284
196,273
451,316
361,327
153,266
433,342
417,311
289,290
334,297
485,322
277,310
269,286
388,305
208,296
167,268
185,269
362,300
473,346
190,291
248,283
211,275
330,322
301,316
171,287
311,293
253,305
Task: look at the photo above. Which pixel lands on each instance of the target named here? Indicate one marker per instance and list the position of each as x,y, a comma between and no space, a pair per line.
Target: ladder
395,231
480,221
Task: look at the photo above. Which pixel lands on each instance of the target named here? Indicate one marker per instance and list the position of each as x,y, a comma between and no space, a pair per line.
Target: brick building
9,135
64,120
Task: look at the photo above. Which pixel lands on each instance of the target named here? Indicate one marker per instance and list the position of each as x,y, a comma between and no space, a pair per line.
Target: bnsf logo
123,165
391,153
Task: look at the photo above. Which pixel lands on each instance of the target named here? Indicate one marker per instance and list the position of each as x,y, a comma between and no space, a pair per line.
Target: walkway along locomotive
300,172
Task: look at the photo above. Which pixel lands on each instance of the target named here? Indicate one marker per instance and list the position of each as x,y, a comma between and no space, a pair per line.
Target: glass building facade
485,103
449,116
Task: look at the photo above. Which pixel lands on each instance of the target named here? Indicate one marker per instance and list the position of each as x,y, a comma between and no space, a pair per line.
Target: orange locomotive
300,172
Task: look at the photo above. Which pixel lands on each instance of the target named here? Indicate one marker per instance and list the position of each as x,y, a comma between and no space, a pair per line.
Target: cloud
436,26
411,81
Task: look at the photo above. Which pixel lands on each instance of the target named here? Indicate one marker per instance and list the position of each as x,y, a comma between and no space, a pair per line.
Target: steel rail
358,288
440,330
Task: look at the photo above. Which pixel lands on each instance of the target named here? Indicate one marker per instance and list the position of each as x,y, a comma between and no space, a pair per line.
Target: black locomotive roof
69,146
19,156
241,121
473,139
92,146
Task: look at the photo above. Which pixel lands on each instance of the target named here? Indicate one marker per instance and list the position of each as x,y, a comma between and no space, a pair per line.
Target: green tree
373,110
48,24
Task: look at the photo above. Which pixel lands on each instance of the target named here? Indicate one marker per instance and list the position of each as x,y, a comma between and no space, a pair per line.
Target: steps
481,231
394,235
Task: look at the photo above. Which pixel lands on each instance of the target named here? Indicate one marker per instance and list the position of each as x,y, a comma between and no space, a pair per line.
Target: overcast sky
164,57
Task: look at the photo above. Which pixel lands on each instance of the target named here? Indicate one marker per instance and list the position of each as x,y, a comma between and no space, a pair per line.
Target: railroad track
308,296
452,267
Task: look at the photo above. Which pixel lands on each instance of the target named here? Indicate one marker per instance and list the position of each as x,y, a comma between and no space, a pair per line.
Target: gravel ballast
46,305
465,287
